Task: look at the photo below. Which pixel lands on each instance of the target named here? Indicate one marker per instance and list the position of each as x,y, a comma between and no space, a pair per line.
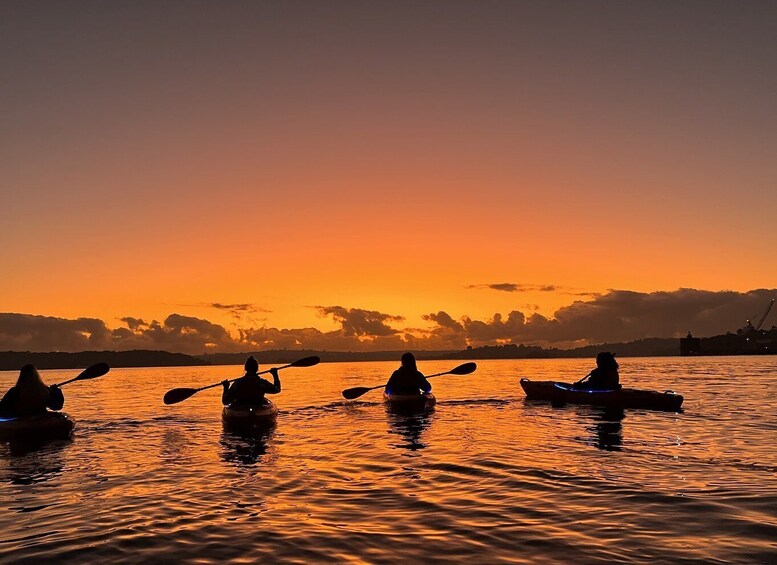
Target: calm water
486,477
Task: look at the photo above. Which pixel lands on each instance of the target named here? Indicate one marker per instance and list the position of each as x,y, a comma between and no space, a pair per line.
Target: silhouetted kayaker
30,396
604,377
249,390
407,379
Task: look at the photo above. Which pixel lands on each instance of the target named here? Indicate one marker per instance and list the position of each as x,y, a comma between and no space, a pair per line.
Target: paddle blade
179,394
92,372
306,362
464,369
355,392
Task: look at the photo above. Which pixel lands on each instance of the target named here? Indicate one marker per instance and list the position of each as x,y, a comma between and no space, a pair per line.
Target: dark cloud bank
616,316
516,287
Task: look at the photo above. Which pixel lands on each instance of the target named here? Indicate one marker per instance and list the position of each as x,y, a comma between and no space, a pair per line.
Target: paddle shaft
583,379
66,382
260,373
429,377
91,372
177,395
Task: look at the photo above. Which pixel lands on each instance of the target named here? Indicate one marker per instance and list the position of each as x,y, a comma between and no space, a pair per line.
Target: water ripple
485,476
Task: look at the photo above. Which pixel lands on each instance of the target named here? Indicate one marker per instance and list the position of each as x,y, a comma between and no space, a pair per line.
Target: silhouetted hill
641,348
278,356
651,347
14,360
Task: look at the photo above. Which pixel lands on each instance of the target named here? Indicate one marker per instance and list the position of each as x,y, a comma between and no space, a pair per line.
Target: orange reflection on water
484,474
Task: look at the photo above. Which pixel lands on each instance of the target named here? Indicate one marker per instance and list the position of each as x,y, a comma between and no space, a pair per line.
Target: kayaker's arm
423,383
391,383
581,381
226,396
55,400
8,403
276,381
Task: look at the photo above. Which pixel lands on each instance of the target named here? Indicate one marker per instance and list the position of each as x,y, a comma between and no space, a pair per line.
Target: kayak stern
412,401
249,416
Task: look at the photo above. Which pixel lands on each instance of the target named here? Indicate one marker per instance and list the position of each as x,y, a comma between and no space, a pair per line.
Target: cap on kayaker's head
252,365
606,360
408,360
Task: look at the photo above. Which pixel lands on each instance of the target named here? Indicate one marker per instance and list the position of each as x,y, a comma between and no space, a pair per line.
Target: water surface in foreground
486,476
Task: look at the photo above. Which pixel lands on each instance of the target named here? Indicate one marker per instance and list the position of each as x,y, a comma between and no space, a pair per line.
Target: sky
347,167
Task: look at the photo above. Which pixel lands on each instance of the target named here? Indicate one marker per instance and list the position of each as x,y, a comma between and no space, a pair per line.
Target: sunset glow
289,156
388,281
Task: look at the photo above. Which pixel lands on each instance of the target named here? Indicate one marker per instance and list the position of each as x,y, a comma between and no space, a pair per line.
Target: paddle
581,381
180,394
356,392
92,372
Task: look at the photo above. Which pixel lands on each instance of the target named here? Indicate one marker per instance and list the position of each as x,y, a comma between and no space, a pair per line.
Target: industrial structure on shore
748,340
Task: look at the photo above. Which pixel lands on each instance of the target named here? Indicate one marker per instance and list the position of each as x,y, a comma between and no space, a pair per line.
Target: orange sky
289,155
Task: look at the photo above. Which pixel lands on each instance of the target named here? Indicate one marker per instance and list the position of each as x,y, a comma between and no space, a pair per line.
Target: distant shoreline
651,347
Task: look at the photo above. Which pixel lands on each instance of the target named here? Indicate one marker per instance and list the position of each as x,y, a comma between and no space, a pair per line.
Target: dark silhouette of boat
562,393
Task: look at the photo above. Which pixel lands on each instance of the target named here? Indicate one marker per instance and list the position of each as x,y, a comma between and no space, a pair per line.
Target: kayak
563,393
425,400
250,416
50,425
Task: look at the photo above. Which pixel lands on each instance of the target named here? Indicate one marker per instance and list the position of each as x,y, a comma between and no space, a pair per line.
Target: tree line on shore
13,360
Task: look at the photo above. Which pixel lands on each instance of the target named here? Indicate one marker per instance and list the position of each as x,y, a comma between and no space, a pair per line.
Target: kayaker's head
408,360
606,360
29,377
252,365
30,386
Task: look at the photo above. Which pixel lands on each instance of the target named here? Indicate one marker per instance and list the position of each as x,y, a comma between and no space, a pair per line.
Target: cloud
359,322
313,338
446,333
359,330
634,315
515,287
133,323
618,315
504,287
186,334
242,308
25,332
242,311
